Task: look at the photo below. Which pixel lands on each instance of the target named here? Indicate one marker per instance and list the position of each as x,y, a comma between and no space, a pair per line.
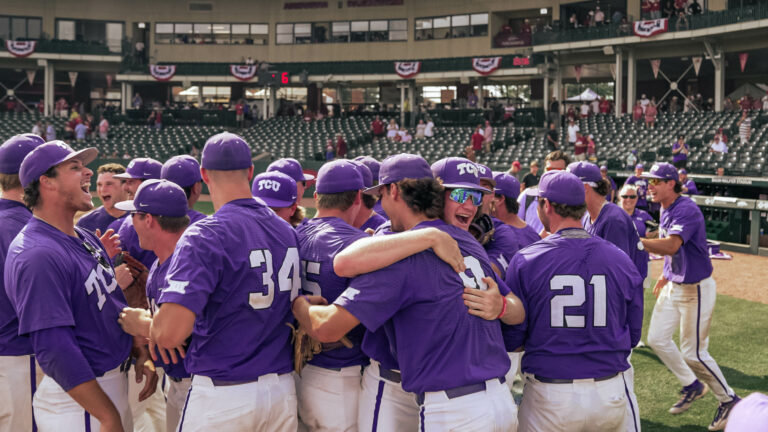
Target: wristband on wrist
503,307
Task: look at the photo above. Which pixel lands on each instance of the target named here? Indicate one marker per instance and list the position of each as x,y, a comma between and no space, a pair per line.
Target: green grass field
737,341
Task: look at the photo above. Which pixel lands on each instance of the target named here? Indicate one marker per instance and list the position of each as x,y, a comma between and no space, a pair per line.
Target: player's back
238,271
616,226
583,305
129,242
14,216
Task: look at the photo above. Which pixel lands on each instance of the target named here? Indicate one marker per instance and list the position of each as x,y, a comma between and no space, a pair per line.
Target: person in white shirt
429,130
644,101
37,129
420,129
584,110
572,129
718,146
488,136
595,106
392,129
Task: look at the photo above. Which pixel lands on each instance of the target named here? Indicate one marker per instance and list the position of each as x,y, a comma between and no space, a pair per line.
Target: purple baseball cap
226,152
157,197
560,187
365,172
457,172
182,170
47,156
292,168
339,176
603,168
400,167
373,165
682,171
275,189
749,414
639,166
587,172
12,152
662,170
506,185
141,168
485,173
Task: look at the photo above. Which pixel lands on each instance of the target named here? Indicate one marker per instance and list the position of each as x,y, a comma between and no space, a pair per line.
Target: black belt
225,383
390,375
460,391
174,379
569,381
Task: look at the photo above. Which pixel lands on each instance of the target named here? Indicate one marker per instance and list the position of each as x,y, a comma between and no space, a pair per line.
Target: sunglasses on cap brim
461,195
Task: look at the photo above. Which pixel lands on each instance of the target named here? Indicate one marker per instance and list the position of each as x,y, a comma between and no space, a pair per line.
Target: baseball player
329,387
184,170
685,296
689,186
17,364
65,293
229,285
611,195
278,191
367,218
110,191
292,168
506,207
161,215
556,160
640,182
583,315
374,166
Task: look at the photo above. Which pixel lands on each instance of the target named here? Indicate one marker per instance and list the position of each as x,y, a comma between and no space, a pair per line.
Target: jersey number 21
558,303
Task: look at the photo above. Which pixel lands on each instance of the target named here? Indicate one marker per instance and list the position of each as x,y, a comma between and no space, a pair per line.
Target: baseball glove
482,229
305,347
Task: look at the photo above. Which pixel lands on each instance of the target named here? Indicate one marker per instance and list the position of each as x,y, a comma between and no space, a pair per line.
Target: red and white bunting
20,48
407,69
651,27
243,72
743,60
577,72
655,65
486,65
162,72
696,64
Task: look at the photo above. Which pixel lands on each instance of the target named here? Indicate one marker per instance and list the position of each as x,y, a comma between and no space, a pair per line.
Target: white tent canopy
587,95
757,91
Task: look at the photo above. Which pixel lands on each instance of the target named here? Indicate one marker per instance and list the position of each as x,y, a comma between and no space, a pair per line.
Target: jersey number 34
558,303
288,277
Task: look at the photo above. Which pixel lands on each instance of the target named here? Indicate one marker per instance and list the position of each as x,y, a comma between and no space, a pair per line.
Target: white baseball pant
489,410
175,396
384,406
149,414
583,405
690,308
328,399
514,368
56,411
632,413
18,381
268,405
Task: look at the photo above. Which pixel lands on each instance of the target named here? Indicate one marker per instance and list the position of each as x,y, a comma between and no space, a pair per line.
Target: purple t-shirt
638,218
96,219
583,305
55,281
679,156
129,242
642,187
237,271
691,263
691,186
615,225
14,216
373,222
156,281
418,301
320,240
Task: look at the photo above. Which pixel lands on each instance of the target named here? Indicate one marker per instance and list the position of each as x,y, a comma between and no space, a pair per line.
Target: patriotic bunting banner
743,60
407,69
243,72
20,48
696,64
655,65
162,73
486,65
651,27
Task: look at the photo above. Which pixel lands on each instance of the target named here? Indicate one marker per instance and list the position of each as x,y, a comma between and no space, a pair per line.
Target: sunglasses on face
629,196
552,169
655,181
460,196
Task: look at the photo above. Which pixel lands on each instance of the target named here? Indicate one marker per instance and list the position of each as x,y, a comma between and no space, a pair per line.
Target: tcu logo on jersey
467,168
97,282
269,185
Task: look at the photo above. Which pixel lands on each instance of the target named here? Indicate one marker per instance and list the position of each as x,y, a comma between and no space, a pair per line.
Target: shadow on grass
650,426
647,352
739,379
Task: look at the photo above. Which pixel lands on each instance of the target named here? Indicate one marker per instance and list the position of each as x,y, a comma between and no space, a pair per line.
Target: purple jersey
320,240
117,223
583,305
129,242
502,246
195,216
691,263
373,222
55,280
615,225
642,188
379,210
527,211
155,283
639,217
237,271
691,186
14,216
613,188
418,301
97,219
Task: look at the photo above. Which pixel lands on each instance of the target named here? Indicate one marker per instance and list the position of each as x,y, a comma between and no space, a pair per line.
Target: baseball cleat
721,416
687,395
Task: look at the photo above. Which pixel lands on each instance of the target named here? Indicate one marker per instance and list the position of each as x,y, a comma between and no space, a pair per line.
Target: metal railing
753,207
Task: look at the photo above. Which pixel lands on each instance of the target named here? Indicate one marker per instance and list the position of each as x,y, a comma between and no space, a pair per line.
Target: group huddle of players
428,293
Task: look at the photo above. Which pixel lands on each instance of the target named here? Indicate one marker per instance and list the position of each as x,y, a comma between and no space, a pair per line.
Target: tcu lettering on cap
469,168
269,185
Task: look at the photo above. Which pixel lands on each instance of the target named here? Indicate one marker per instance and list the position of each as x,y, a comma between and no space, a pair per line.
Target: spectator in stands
341,146
137,102
50,132
628,201
617,16
645,9
514,170
407,136
720,172
624,27
655,9
745,127
591,150
532,178
62,108
584,110
573,129
476,141
680,150
139,52
605,105
155,120
377,128
612,193
689,187
330,152
580,147
718,146
694,8
487,136
756,104
682,17
420,129
37,129
668,9
674,105
552,138
570,113
644,101
554,111
525,32
728,104
573,21
103,128
392,129
240,113
637,112
650,115
80,131
599,16
595,106
429,130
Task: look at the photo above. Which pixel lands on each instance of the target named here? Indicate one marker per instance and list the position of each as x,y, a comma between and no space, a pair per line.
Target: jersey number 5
558,303
288,278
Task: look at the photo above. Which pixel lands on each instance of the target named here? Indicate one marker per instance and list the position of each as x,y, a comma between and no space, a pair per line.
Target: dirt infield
744,277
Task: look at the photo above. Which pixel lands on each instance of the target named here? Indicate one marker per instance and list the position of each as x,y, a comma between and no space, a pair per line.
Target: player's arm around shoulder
663,246
324,322
491,304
